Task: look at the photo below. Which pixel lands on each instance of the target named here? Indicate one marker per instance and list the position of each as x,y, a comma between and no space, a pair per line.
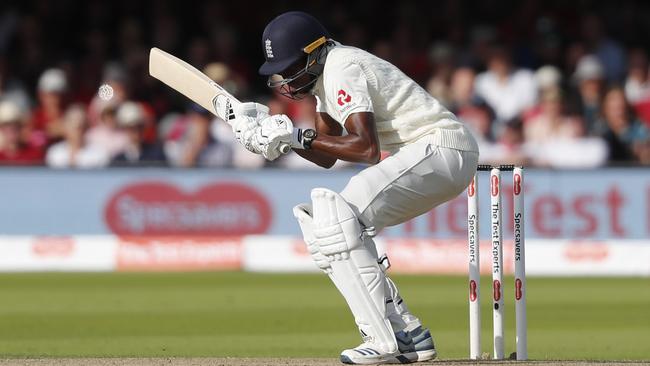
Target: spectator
13,149
552,123
241,158
219,147
73,151
410,58
190,141
637,85
548,79
627,137
201,147
131,119
47,119
555,139
589,82
508,91
175,129
199,140
384,49
116,78
460,32
482,38
441,58
229,79
609,52
511,142
105,135
11,88
462,88
474,112
509,148
196,138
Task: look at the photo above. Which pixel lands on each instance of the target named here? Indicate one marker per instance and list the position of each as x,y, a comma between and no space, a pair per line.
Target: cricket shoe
421,343
369,354
413,346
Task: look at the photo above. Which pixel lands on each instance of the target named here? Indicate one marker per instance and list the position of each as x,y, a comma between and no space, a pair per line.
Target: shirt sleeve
347,92
319,105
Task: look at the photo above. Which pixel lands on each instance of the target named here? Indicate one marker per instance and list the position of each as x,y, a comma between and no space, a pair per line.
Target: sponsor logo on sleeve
343,98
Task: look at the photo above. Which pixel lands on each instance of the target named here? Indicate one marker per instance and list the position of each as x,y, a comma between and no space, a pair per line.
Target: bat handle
285,148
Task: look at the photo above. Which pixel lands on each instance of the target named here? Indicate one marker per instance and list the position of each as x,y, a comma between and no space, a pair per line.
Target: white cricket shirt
355,81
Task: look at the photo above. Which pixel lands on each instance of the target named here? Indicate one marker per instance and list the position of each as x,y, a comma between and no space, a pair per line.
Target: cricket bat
198,87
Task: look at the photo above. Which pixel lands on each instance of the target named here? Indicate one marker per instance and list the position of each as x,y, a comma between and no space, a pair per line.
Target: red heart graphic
159,208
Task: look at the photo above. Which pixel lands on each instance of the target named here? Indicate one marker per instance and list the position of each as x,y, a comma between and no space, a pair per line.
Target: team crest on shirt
343,98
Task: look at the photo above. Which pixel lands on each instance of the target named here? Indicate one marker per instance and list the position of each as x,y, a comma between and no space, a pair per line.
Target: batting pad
302,213
359,278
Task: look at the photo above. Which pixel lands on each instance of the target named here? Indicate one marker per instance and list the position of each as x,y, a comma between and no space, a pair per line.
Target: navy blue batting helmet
289,37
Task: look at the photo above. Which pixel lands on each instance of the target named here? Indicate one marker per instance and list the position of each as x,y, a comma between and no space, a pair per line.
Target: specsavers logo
160,208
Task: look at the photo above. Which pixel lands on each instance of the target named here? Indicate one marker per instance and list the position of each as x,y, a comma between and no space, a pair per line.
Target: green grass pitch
300,315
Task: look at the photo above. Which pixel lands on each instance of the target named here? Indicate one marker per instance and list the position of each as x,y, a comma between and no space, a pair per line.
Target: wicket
473,235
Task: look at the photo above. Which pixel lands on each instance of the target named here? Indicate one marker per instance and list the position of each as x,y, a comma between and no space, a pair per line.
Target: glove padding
244,128
247,117
251,109
277,130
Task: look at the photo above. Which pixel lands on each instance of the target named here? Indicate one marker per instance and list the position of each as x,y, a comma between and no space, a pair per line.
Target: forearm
317,158
326,150
360,145
325,145
351,148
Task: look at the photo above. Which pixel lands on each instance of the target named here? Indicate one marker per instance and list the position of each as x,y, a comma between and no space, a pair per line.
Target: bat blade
192,83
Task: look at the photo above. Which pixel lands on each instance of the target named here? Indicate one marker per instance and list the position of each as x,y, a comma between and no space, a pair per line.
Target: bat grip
285,148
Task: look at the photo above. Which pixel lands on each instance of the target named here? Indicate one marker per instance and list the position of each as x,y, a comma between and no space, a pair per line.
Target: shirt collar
318,87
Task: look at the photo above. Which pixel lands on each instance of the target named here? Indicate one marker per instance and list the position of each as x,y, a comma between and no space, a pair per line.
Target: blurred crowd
551,84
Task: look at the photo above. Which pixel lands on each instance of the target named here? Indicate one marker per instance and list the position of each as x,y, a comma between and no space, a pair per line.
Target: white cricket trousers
410,182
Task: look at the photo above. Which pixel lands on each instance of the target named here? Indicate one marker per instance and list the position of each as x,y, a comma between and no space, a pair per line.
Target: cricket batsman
365,105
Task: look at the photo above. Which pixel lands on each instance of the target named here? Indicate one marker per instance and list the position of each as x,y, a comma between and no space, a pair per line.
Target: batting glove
251,109
279,130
